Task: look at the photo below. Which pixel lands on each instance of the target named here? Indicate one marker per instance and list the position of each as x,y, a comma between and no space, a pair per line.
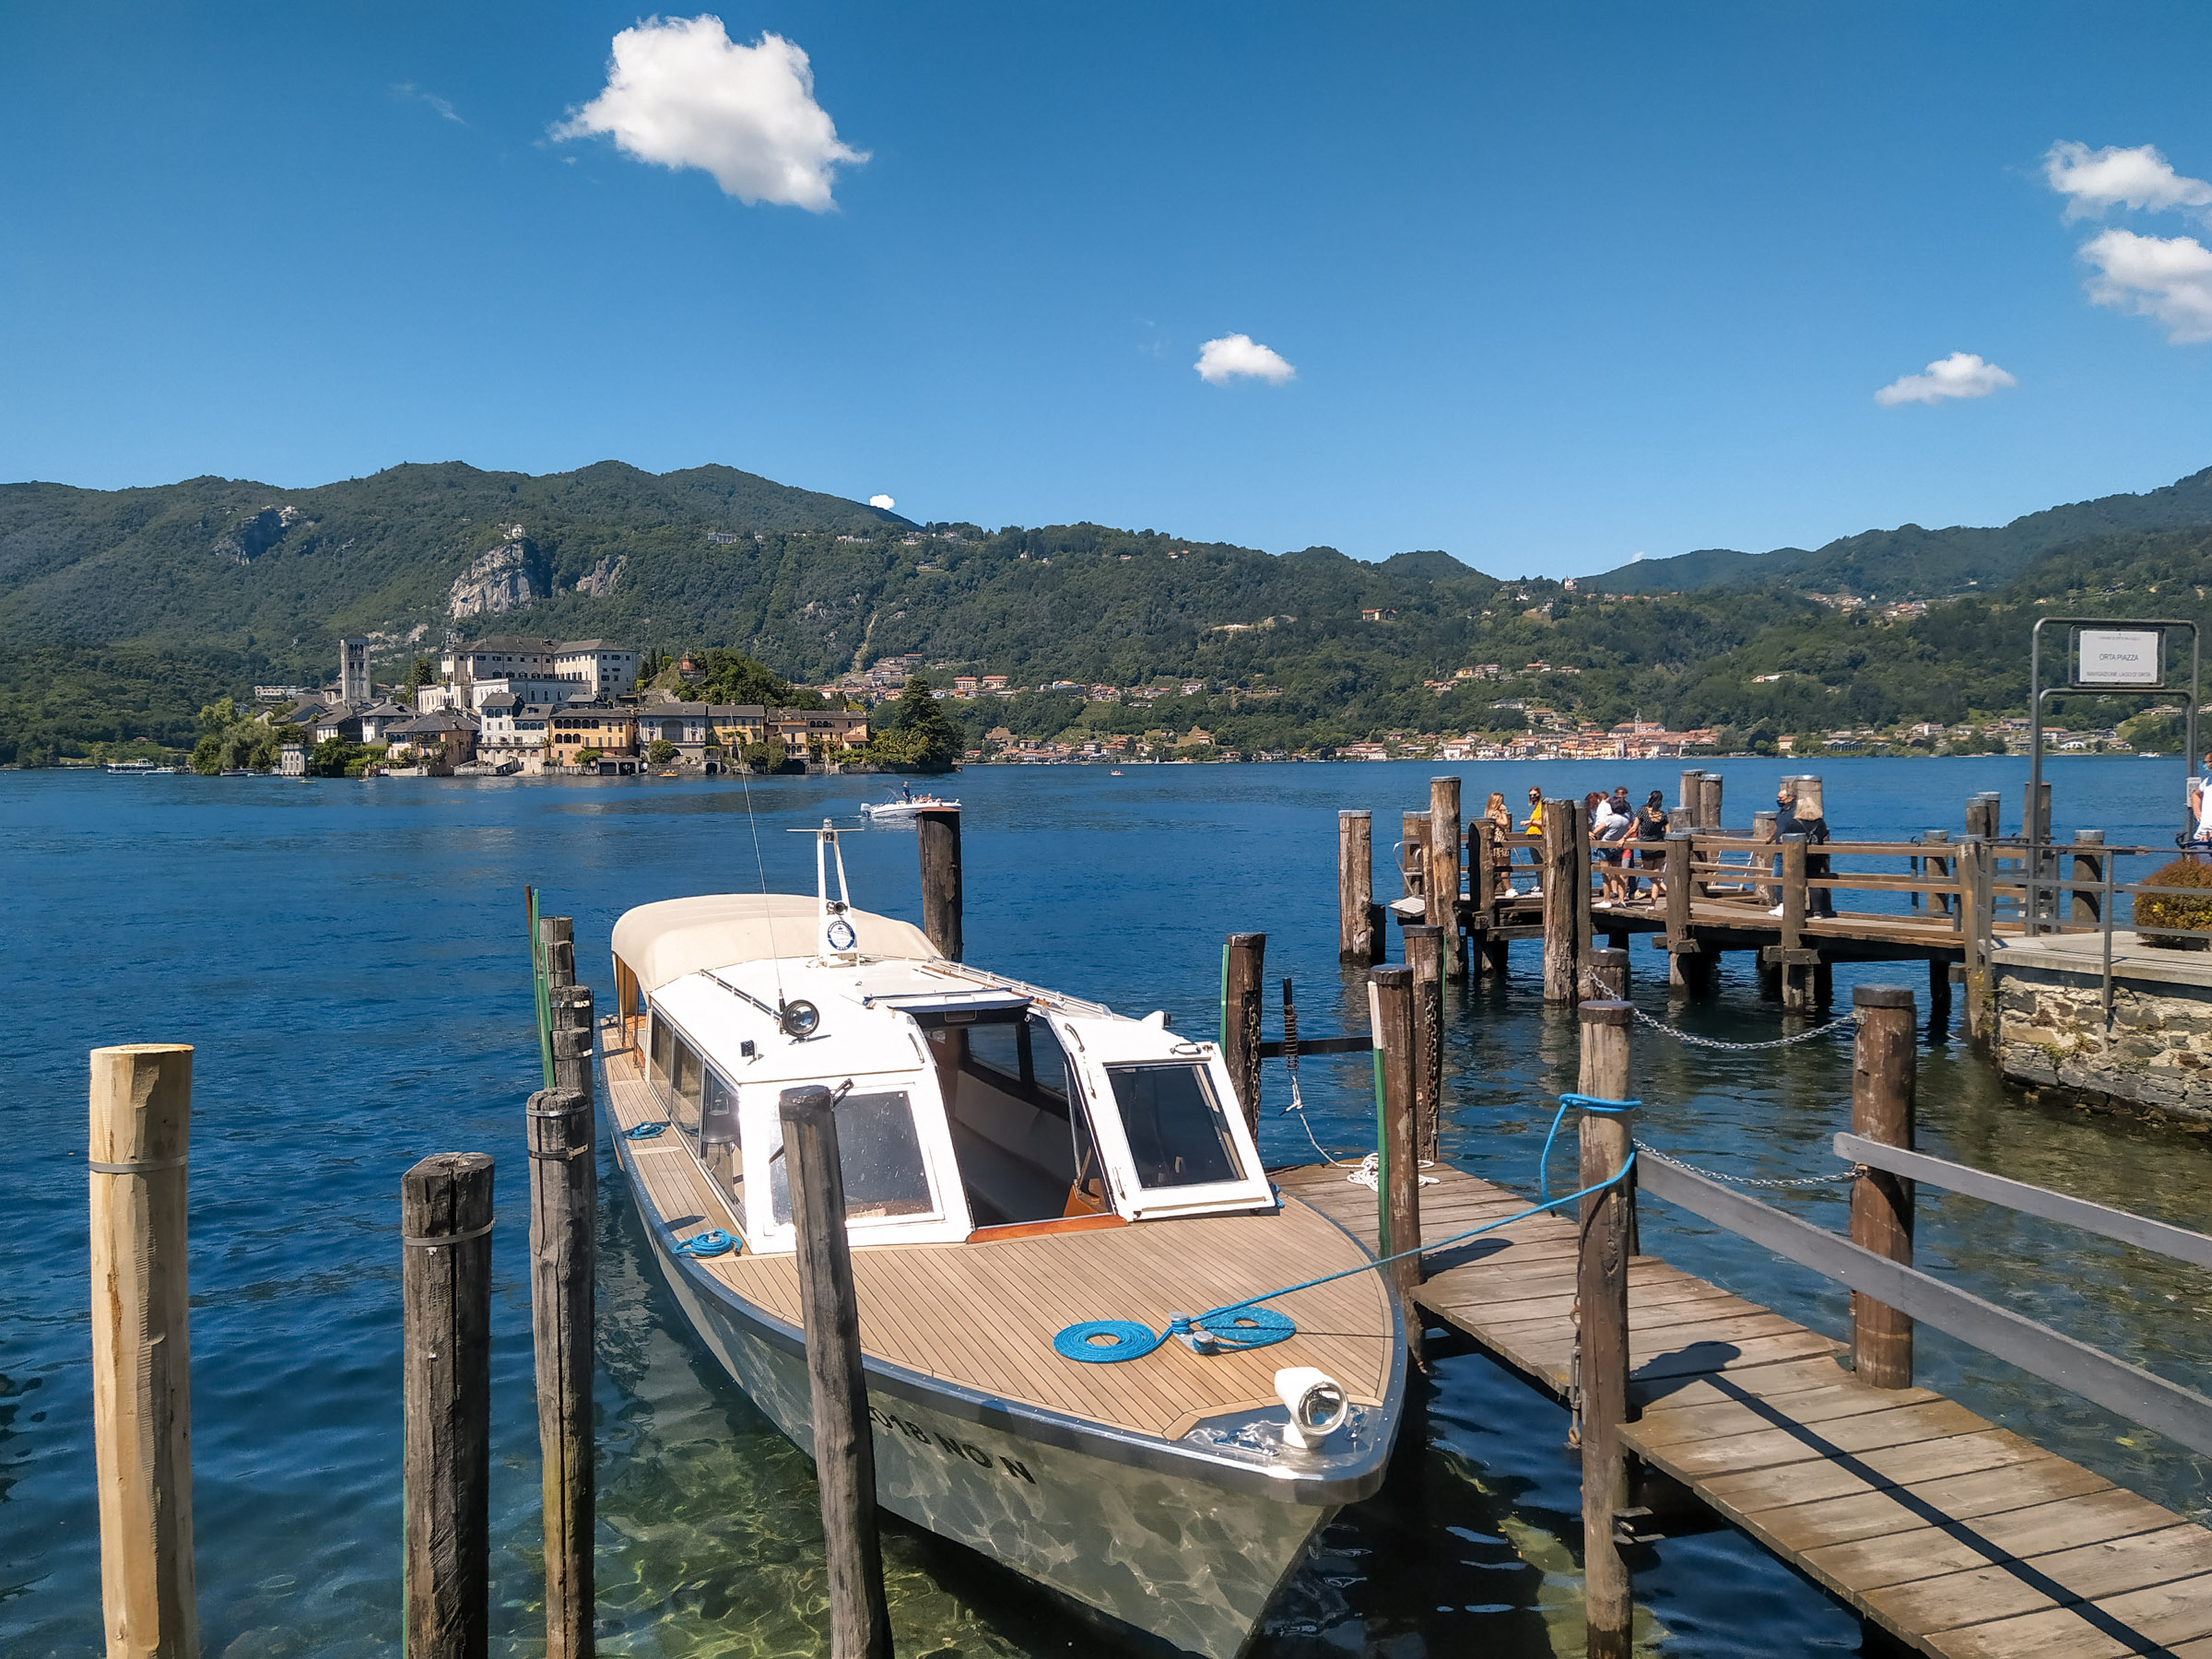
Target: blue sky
1557,286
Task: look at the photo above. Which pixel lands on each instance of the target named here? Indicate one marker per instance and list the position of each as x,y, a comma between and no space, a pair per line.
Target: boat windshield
880,1153
1178,1135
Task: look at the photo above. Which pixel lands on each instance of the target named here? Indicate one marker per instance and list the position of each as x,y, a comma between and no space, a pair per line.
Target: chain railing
1847,1022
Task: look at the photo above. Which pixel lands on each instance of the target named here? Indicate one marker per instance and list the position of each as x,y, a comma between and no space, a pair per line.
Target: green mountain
1912,563
122,612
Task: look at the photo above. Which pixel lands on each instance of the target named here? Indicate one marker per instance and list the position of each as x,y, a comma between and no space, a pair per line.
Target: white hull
1175,1552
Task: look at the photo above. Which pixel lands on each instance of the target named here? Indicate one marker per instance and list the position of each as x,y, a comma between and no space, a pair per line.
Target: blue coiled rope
1235,1327
713,1242
643,1131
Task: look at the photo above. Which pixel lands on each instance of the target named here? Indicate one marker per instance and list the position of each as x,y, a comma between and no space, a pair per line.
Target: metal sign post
2104,655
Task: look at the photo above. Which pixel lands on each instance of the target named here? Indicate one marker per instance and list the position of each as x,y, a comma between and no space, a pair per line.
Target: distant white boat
134,769
903,807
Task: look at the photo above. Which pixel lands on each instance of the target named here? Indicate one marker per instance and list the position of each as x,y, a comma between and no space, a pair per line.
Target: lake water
350,960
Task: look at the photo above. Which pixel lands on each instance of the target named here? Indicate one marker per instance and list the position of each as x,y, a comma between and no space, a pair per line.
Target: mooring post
1425,955
1975,858
1602,1292
1690,799
1605,979
1584,935
557,936
1440,898
564,1192
1797,976
1356,929
1882,1062
1762,830
2088,867
141,1131
938,832
845,1446
1482,889
1397,1142
1413,856
445,1300
1709,801
1687,967
1243,969
1560,905
1937,868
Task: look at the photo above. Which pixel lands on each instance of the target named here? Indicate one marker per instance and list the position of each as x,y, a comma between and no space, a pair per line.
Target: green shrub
2154,911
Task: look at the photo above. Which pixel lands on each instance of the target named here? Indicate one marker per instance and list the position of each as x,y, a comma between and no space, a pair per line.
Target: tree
921,733
587,756
660,752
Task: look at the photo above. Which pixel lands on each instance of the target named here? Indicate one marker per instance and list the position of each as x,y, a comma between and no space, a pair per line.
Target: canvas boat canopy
661,942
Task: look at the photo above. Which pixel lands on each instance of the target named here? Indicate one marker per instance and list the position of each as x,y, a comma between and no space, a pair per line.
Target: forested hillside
121,613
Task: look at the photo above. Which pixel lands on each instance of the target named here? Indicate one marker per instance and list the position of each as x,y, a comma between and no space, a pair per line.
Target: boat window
997,1047
685,1079
1177,1134
880,1153
662,1047
1048,1060
719,1142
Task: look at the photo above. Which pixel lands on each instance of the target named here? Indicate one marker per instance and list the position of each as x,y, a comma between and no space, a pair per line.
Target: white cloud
2093,181
2168,278
1222,361
1963,374
679,93
408,89
883,502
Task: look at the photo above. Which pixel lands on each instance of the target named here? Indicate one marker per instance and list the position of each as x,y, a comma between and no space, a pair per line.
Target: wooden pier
1955,1536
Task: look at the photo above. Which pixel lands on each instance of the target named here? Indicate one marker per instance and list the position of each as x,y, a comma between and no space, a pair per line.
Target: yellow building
733,725
573,726
805,733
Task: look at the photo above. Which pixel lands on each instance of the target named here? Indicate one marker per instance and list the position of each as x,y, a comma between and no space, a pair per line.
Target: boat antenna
775,961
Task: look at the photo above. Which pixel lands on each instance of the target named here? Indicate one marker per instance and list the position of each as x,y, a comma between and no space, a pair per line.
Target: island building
446,733
574,726
537,670
353,671
514,730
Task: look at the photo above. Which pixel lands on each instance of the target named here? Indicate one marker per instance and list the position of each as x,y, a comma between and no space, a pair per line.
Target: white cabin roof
661,942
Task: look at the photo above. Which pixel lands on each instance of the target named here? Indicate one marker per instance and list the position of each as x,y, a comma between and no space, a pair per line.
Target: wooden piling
1244,970
1974,862
557,935
1709,801
1413,855
1938,867
1605,979
1982,814
1796,978
1358,930
845,1446
1561,903
938,833
1689,967
141,1126
1808,795
564,1197
1690,800
1482,890
1584,937
445,1298
1602,1292
1939,993
1425,955
1441,897
1398,1189
1882,1063
2087,907
1762,830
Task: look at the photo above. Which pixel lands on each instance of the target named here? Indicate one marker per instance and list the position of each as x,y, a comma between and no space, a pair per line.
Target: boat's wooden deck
983,1314
1958,1537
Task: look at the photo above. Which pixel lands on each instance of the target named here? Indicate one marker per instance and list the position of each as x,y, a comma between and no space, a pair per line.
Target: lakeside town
509,705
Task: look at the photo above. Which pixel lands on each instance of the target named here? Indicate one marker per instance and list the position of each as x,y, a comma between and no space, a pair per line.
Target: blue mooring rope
643,1131
713,1242
1106,1341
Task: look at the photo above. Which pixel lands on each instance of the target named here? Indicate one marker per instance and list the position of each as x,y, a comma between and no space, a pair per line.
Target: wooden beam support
1882,1061
1602,1292
141,1128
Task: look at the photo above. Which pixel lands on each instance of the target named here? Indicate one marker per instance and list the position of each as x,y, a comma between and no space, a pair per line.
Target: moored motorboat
1021,1169
904,805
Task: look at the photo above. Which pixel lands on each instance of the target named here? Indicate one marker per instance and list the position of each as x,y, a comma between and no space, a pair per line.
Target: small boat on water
134,769
1022,1169
903,806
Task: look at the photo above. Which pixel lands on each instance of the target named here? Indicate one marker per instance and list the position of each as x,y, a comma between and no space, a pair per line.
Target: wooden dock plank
1959,1537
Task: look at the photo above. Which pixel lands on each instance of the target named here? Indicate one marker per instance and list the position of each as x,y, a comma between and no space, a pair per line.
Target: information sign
2113,658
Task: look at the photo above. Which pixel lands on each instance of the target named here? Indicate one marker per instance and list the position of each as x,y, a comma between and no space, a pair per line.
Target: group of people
1617,829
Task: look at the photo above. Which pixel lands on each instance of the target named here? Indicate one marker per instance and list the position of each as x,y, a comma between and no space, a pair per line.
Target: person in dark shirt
1651,825
1821,901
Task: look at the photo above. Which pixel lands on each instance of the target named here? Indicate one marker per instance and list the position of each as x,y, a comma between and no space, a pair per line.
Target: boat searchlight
1317,1404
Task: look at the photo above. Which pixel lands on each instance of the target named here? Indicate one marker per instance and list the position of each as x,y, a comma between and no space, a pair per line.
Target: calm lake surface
350,959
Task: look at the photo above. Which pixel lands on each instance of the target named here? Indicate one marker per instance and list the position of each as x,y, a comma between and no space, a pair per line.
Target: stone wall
2050,1036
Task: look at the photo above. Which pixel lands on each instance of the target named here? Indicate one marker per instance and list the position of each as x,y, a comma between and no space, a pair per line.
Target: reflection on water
348,957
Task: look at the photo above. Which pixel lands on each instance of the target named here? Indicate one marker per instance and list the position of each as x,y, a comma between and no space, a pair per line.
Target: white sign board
2111,658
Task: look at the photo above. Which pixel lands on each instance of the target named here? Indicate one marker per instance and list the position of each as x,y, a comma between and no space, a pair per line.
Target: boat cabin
968,1107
